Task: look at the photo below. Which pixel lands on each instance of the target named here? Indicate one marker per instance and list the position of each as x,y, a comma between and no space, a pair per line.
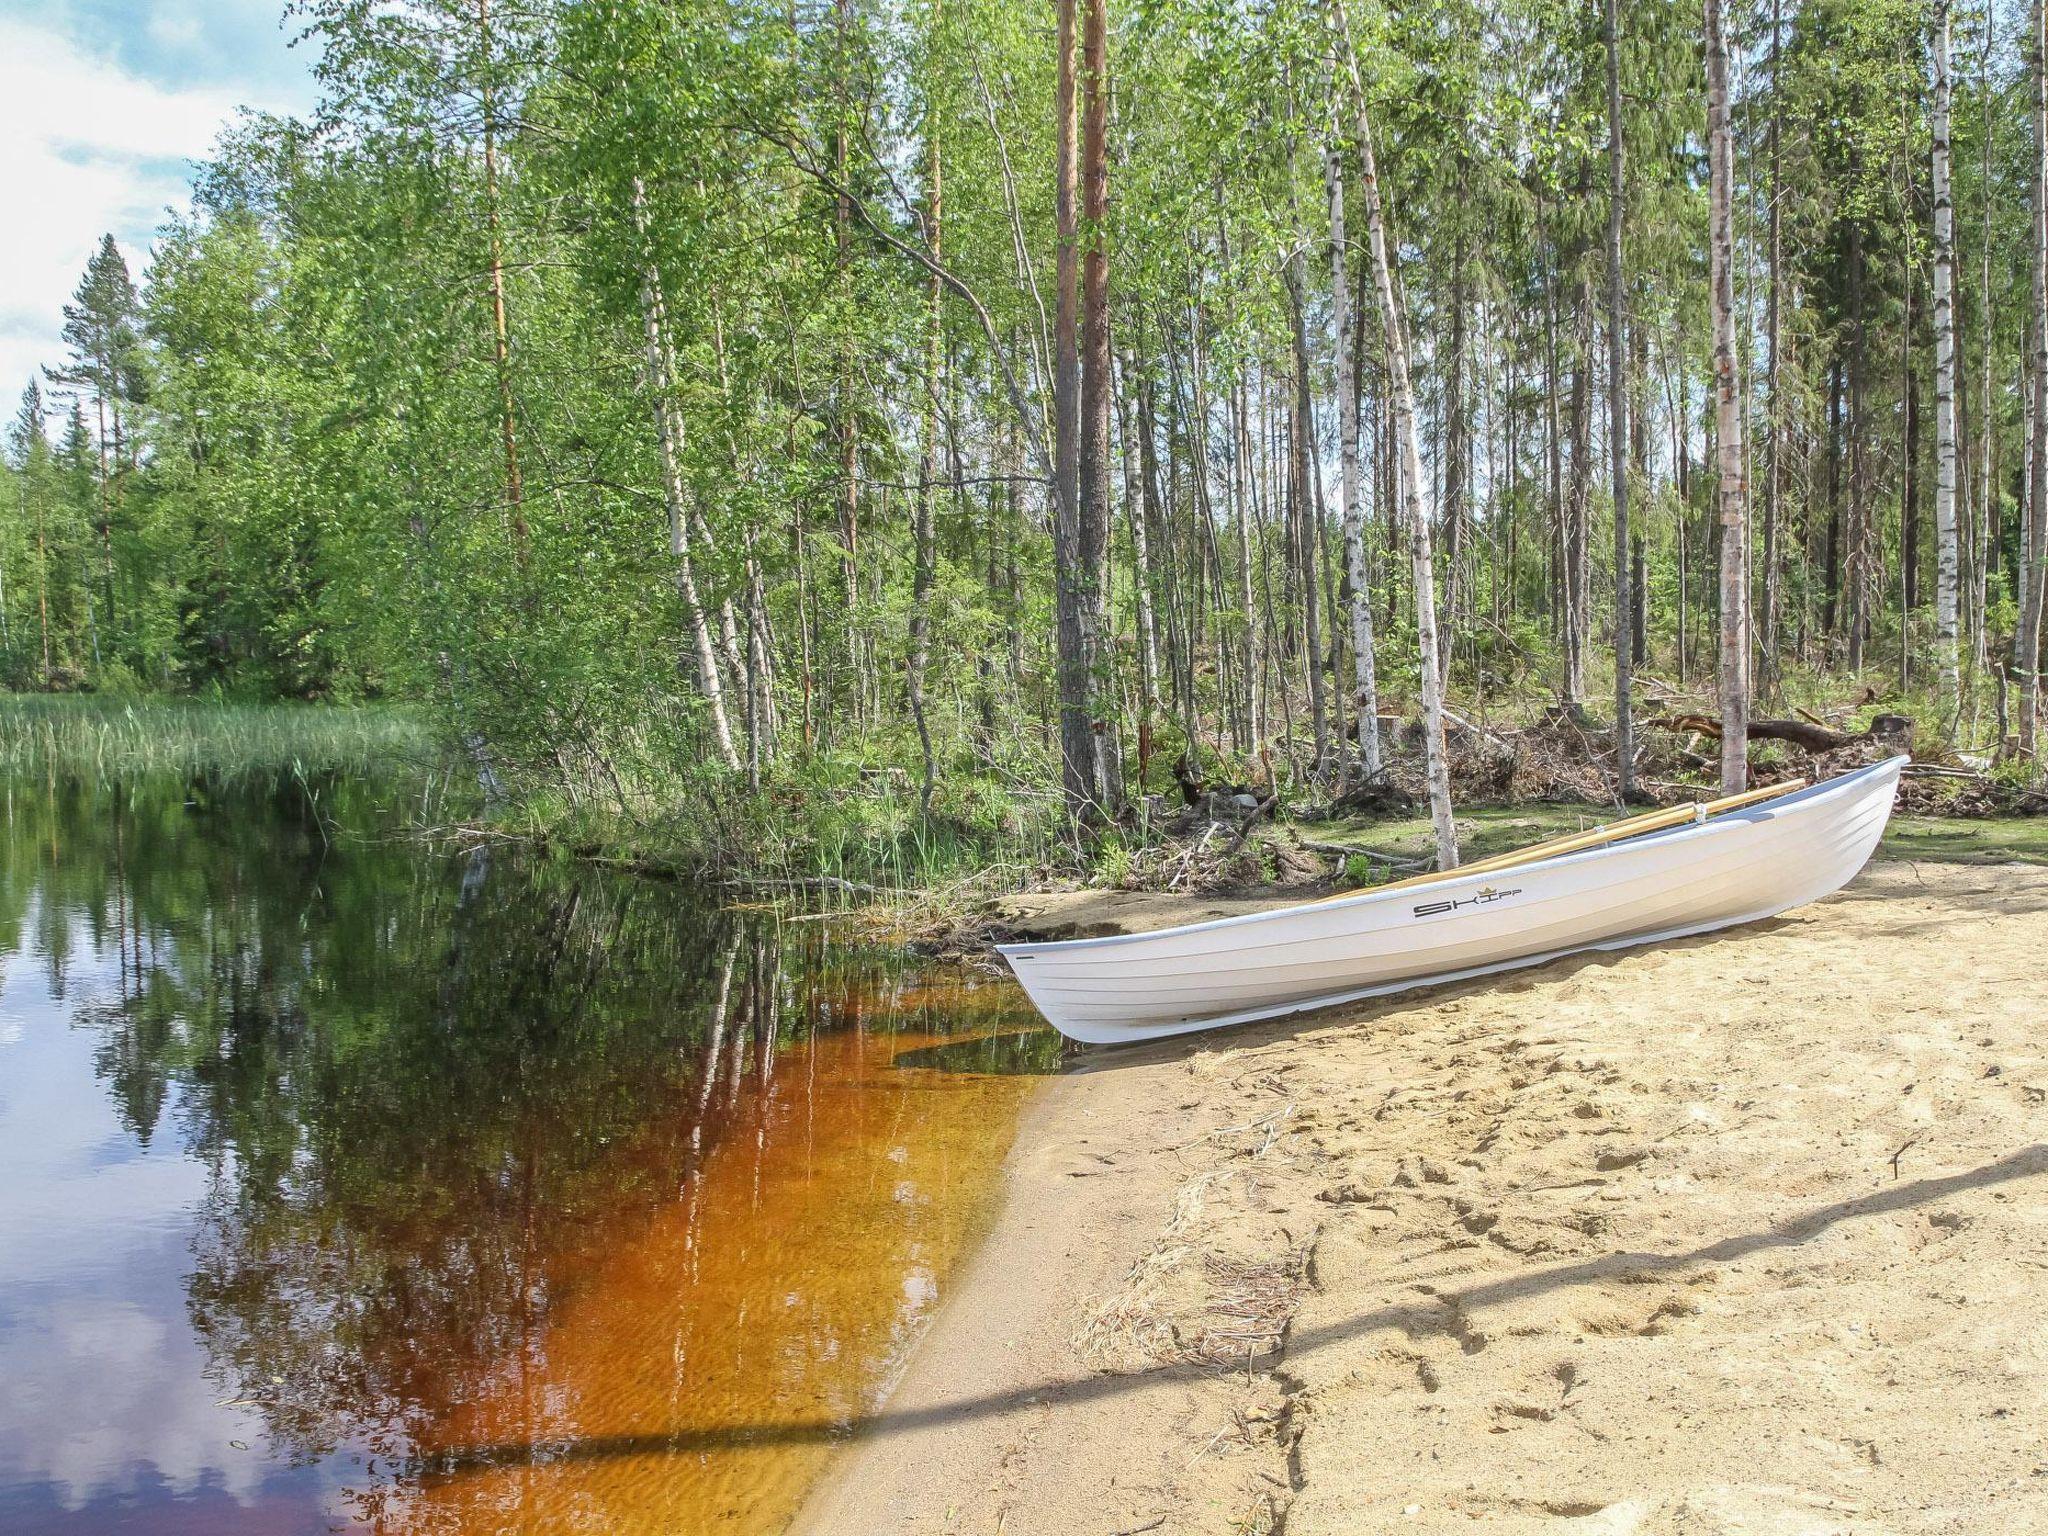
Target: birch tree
1351,482
675,495
501,336
1073,589
1414,488
1731,492
1617,416
1097,383
923,554
2027,641
1947,551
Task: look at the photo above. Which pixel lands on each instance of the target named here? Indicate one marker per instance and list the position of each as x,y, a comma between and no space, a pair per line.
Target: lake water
349,1186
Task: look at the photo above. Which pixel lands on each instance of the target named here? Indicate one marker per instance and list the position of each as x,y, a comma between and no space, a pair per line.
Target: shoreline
996,1404
1738,1231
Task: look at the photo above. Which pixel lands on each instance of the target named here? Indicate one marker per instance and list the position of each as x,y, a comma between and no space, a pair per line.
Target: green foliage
572,359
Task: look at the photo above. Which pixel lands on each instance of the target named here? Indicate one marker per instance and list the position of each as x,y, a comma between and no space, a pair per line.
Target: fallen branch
1499,743
1352,851
1799,733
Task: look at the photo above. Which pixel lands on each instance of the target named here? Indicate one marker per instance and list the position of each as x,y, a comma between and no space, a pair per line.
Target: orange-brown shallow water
352,1188
715,1351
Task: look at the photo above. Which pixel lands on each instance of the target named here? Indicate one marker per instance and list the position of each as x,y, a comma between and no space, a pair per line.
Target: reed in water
107,738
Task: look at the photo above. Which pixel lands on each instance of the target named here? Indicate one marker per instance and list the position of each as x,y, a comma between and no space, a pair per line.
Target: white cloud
169,29
89,148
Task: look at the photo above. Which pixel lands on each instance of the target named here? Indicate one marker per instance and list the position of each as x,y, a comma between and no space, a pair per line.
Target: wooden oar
1592,837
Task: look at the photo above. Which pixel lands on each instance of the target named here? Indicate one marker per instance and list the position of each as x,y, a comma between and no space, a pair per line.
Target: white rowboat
1710,871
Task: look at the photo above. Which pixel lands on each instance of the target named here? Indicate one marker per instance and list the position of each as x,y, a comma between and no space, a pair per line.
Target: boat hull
1738,868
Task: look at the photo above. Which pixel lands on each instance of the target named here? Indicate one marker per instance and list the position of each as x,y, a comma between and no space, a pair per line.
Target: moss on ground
1955,840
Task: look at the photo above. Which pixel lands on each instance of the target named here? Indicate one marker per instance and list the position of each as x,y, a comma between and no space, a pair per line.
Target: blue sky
104,105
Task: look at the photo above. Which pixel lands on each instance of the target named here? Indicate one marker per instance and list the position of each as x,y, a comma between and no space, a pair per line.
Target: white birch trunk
1073,596
1414,488
667,433
1365,680
2027,643
1137,509
2034,506
1617,416
1734,671
1987,491
1947,546
923,555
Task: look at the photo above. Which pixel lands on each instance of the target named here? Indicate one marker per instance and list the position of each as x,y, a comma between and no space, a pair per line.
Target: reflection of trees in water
420,1083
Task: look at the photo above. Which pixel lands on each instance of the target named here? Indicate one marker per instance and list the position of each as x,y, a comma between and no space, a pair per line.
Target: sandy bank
1746,1233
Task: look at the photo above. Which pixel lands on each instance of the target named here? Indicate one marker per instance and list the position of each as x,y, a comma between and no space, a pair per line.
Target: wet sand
1745,1233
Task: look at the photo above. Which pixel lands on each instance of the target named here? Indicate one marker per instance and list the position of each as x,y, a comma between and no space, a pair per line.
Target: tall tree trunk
1987,479
1577,540
1909,470
1072,594
1831,607
1617,414
1734,672
1947,544
1097,383
1639,476
1365,681
923,557
846,422
1774,423
1857,529
1308,535
1409,449
1254,651
2028,641
42,577
1553,445
501,344
1457,451
1678,413
1141,507
749,665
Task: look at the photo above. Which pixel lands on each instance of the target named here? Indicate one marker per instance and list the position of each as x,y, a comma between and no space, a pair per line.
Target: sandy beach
1745,1233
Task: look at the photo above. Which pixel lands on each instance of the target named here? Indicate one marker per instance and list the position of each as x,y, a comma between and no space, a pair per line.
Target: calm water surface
344,1186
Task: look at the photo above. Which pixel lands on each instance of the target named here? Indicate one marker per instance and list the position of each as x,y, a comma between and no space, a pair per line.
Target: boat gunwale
1750,815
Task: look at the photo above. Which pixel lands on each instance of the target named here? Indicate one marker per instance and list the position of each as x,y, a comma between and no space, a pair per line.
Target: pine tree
1730,489
101,327
29,447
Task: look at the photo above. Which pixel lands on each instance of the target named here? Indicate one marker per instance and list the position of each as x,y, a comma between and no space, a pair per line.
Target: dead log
1352,851
1502,747
1799,733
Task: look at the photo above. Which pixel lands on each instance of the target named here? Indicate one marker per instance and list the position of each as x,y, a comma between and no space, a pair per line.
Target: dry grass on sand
1739,1234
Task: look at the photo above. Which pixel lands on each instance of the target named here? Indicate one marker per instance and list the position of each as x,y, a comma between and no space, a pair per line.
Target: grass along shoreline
109,737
